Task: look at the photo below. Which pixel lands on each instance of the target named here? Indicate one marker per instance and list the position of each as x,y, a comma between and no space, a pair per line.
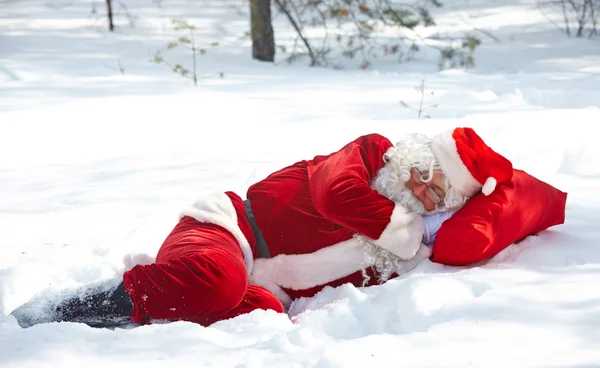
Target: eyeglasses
430,193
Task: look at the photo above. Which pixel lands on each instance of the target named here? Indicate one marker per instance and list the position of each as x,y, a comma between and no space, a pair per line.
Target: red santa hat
469,164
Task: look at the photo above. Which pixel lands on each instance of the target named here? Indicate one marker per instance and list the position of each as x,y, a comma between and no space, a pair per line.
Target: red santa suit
208,267
309,212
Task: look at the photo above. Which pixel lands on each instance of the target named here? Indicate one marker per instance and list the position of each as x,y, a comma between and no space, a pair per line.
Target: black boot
102,304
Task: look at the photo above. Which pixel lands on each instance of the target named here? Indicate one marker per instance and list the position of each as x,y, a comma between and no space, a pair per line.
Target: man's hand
423,253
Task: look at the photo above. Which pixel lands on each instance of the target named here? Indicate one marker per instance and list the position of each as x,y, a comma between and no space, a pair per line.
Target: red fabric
187,235
330,195
479,158
488,224
256,297
199,275
340,187
316,203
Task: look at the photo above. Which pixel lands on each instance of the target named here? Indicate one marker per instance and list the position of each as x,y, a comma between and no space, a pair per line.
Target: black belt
263,250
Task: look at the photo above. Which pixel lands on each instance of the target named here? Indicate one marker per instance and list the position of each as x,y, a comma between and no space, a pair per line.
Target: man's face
431,192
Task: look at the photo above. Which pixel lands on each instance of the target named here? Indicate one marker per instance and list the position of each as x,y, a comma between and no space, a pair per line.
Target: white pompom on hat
469,163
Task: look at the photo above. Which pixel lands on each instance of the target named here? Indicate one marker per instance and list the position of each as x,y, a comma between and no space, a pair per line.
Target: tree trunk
261,29
109,14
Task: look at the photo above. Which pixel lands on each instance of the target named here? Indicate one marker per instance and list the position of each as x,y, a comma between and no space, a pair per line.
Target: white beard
393,186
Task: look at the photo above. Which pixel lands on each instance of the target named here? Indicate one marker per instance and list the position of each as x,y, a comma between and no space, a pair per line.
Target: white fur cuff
403,234
304,271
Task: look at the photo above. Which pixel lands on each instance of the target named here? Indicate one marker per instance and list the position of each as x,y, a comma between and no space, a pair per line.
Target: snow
95,166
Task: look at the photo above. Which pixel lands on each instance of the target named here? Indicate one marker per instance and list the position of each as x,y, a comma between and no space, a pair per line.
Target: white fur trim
489,186
423,253
217,209
444,148
403,234
303,271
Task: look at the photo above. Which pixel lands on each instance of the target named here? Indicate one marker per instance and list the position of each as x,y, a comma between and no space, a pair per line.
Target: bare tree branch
287,13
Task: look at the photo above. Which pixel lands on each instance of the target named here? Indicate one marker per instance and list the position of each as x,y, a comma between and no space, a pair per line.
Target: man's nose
419,189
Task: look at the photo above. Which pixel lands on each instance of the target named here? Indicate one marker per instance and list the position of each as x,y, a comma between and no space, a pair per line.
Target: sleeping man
362,214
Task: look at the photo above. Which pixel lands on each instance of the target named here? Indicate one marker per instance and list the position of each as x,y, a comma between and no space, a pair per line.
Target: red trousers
199,275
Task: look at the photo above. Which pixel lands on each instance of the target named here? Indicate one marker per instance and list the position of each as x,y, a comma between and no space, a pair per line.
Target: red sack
487,224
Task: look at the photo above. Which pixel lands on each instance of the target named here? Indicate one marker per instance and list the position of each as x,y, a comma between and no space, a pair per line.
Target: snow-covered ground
95,165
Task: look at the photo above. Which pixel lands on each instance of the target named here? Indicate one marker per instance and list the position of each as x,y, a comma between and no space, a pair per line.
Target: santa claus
357,215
